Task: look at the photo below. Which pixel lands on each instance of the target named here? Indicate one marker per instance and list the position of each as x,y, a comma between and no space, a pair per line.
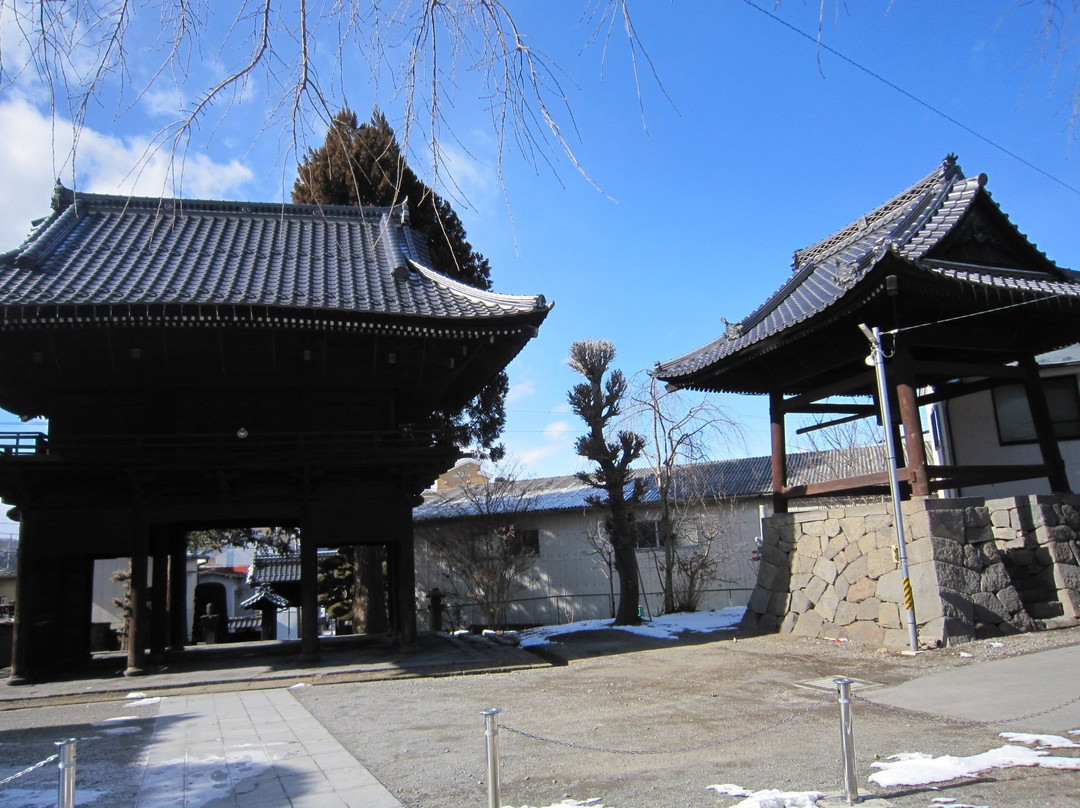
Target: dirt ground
638,723
632,721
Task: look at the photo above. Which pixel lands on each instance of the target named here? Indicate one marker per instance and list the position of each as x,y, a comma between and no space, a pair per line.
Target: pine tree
362,164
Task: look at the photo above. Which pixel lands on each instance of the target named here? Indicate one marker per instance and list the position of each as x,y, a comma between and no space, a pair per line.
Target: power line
911,96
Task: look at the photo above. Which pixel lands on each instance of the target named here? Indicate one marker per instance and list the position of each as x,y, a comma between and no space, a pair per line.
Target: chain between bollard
675,750
12,777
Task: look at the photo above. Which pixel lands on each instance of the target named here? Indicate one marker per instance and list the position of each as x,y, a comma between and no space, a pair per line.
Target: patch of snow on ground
665,627
1040,741
769,798
918,769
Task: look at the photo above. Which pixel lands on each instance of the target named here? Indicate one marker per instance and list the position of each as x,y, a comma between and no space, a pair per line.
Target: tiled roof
273,569
264,594
909,226
270,568
741,477
99,250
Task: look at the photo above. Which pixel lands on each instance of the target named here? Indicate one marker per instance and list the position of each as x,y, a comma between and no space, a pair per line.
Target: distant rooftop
742,477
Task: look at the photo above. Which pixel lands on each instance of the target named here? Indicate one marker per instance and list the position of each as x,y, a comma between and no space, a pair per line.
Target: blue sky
754,143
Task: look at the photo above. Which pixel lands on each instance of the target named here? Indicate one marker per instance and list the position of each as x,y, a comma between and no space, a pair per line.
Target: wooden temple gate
220,364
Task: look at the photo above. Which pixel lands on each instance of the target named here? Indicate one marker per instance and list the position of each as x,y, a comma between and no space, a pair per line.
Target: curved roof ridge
66,197
905,204
479,296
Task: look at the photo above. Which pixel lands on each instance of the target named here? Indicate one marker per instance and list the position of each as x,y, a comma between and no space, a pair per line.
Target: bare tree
679,432
694,553
603,554
299,56
598,401
484,547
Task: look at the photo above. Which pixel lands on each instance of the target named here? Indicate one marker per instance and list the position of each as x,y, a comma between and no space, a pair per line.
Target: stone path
246,749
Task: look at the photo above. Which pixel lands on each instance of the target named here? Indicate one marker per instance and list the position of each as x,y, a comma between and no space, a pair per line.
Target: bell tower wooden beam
779,451
1044,426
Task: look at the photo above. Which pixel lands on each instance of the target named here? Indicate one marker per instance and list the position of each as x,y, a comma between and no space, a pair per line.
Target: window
646,534
523,541
1014,423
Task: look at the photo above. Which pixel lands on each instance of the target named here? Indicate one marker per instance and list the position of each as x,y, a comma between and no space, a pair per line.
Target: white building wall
568,583
974,440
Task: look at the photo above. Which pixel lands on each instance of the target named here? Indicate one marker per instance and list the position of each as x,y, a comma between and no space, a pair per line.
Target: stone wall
976,569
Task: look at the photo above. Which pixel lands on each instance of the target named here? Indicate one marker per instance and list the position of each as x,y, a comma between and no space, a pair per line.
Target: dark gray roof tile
107,250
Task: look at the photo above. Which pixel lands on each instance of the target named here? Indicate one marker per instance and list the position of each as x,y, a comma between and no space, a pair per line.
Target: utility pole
877,359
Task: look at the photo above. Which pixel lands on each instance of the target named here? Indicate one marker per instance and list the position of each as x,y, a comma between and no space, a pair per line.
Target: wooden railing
23,443
211,446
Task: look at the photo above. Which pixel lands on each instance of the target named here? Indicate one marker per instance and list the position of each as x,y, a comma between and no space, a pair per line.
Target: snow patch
910,769
665,627
770,798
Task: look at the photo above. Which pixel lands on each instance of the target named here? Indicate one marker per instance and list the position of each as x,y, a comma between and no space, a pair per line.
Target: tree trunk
629,588
369,590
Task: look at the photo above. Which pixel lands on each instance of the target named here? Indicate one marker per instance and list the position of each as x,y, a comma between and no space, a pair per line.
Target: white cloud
519,391
552,456
36,149
466,179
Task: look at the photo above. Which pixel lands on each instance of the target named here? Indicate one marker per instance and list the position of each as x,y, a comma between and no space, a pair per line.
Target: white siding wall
567,584
973,430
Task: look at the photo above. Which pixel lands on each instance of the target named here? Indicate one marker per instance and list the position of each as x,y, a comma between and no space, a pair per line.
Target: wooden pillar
1044,426
309,591
779,451
24,585
178,607
914,448
137,628
403,574
159,591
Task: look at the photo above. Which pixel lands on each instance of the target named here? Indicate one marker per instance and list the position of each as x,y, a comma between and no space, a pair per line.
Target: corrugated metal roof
909,225
742,477
97,250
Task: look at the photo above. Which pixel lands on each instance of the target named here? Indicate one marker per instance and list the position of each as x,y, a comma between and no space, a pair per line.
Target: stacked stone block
836,572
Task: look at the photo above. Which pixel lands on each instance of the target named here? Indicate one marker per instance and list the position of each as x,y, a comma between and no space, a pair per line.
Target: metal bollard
491,734
66,788
847,740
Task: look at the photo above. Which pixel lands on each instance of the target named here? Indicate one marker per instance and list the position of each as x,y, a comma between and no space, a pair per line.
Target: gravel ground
634,721
640,723
109,751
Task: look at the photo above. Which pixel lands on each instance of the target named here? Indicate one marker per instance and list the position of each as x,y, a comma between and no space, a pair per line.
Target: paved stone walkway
258,748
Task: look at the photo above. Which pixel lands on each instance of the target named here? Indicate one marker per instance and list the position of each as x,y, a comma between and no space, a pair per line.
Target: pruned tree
680,432
484,546
597,401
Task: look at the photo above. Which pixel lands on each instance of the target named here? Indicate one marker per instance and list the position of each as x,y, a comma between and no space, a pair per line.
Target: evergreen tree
362,164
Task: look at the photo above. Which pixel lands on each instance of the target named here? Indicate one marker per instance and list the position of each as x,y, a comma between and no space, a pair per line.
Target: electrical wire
912,97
